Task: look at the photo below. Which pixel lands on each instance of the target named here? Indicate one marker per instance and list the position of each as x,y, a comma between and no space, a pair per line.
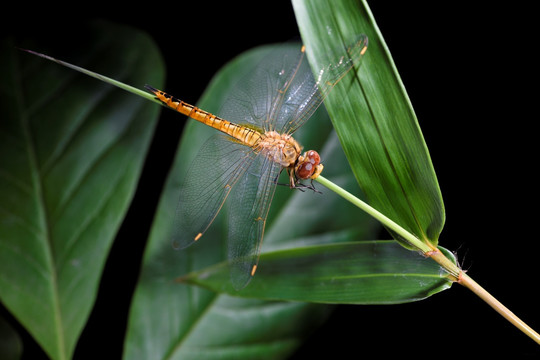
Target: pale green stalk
472,285
410,238
455,272
106,79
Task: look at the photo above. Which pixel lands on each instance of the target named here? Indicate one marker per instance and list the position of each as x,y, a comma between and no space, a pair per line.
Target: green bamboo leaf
175,321
374,119
71,151
362,272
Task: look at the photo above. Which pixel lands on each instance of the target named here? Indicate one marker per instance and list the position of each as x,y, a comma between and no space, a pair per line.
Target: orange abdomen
243,134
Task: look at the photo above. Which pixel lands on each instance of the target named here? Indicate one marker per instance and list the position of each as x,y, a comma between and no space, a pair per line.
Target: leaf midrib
191,329
379,134
391,162
37,185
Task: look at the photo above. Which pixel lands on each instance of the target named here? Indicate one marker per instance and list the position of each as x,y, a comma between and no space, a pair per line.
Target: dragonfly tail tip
253,269
150,88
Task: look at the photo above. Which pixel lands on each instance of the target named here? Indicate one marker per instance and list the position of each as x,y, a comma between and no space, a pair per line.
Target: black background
469,73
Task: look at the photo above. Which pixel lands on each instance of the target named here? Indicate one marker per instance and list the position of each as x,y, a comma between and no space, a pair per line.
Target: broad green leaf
179,321
373,118
71,151
362,272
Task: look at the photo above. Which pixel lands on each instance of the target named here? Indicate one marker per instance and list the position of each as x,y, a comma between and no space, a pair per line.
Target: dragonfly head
308,165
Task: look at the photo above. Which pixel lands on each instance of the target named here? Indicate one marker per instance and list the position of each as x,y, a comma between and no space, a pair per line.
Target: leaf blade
374,119
364,272
72,150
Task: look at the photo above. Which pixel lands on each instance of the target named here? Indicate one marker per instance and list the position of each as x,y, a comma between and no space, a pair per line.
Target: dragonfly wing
214,171
306,93
248,210
281,93
255,99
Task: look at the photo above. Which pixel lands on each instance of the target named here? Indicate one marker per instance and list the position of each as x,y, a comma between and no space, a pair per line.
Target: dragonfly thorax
280,148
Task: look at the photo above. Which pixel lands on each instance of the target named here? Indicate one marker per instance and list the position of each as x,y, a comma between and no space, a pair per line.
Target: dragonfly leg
296,183
301,186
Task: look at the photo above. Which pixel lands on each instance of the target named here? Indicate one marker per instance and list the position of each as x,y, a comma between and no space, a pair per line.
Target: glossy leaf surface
71,151
374,119
362,272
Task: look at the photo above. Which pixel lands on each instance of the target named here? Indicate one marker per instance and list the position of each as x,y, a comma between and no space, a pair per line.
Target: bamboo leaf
361,272
374,118
71,151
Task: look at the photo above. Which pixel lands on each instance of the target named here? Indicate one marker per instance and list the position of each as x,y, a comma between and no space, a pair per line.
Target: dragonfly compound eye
308,165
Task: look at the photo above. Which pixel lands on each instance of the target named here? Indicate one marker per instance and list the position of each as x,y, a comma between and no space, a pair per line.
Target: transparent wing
281,94
248,209
306,93
214,171
257,98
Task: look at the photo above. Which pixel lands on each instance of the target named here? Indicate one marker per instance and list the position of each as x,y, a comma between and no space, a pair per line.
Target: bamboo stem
472,285
389,223
456,274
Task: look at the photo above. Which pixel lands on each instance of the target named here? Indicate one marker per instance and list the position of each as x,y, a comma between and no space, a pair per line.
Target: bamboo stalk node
430,253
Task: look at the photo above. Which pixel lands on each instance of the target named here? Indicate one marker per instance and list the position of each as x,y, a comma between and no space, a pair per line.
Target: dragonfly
242,163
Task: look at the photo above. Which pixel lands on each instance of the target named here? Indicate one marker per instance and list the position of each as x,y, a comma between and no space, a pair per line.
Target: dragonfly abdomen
247,136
